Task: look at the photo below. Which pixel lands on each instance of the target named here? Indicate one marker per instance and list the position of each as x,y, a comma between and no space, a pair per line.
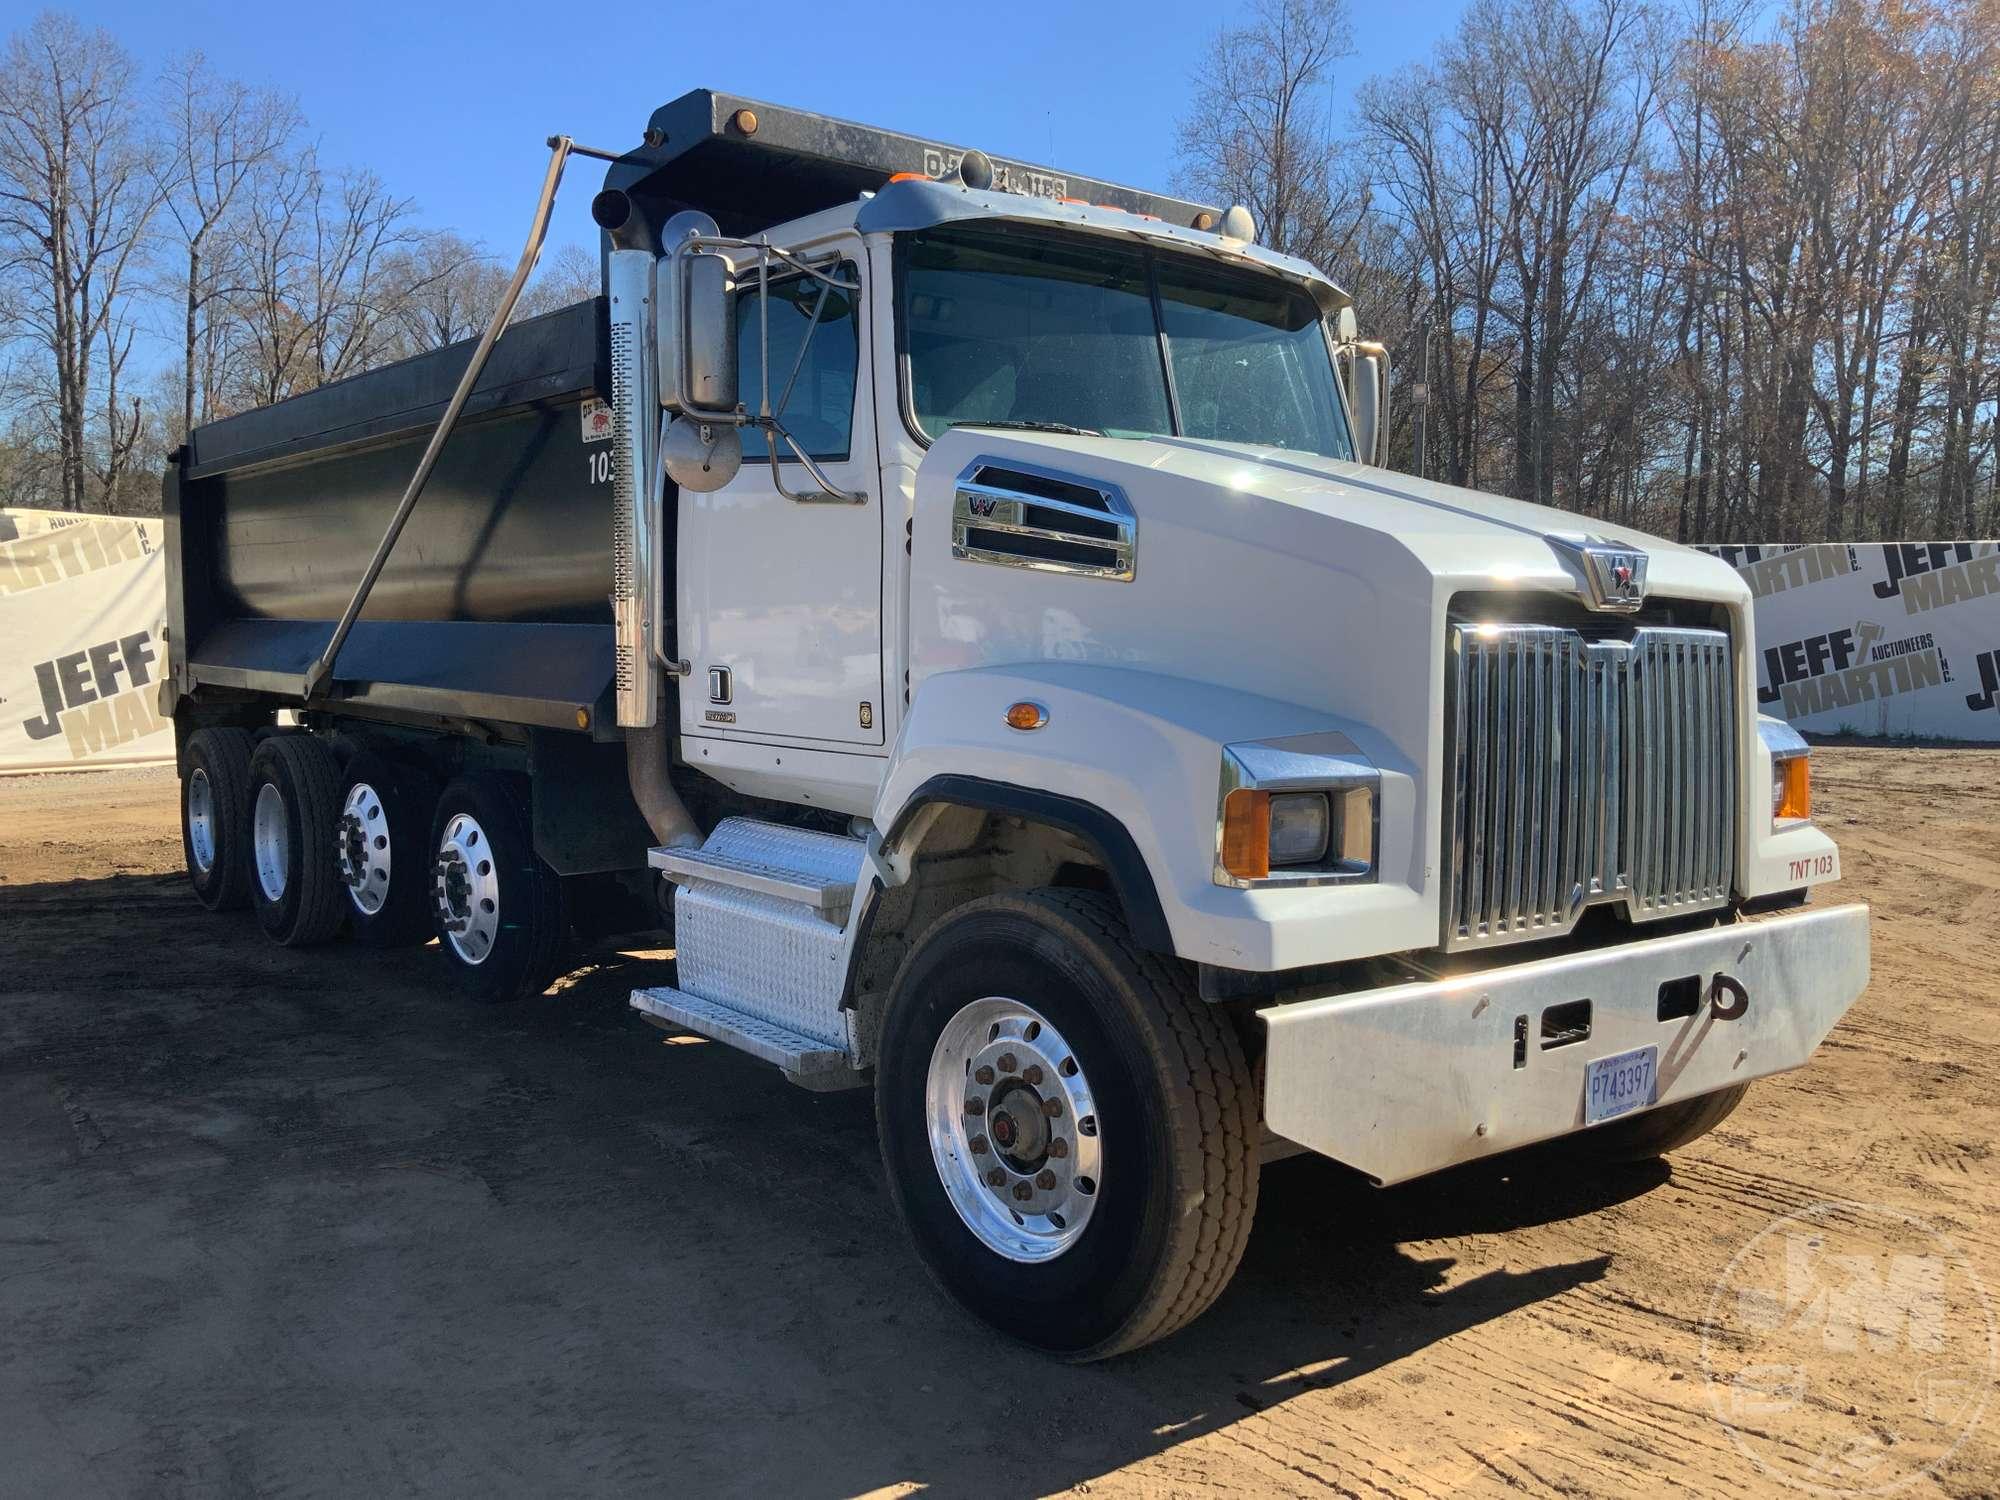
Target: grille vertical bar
1587,771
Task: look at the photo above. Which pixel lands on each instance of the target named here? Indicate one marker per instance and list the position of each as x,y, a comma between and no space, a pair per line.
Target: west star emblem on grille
1614,576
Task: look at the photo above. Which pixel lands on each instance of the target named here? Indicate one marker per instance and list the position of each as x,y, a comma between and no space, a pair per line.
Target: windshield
1008,326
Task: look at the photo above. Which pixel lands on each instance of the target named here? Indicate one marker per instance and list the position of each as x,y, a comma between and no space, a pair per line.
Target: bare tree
78,191
442,289
315,295
1258,130
566,275
218,133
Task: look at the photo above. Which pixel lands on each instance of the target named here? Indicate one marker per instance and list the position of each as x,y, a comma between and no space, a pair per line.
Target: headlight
1300,822
1791,771
1296,811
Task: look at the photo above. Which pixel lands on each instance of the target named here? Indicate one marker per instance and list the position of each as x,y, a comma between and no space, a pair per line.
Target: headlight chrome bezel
1254,772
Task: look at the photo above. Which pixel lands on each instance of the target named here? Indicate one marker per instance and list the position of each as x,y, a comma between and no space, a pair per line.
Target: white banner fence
1878,638
1898,639
83,605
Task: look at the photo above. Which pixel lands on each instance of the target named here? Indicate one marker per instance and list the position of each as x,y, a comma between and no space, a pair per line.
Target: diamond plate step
818,870
765,1039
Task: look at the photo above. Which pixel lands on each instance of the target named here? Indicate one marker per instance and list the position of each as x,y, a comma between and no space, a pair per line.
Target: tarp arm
321,671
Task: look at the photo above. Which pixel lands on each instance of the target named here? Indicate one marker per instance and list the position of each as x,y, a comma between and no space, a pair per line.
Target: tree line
1726,274
184,211
1720,272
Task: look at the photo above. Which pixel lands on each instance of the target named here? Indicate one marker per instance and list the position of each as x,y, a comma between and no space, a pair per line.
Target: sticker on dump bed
596,420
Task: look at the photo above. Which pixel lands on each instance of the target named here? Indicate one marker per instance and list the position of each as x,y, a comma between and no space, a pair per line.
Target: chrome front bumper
1409,1079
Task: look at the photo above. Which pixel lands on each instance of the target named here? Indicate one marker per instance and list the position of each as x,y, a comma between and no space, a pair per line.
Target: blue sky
450,103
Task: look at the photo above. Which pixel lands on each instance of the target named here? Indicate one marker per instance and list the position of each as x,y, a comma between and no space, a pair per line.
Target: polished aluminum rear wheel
467,889
271,842
364,848
201,820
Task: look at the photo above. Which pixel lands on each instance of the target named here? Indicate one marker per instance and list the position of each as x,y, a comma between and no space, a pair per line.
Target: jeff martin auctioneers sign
83,604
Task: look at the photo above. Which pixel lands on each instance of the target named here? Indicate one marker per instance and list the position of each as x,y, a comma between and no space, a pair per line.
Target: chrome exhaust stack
636,606
635,491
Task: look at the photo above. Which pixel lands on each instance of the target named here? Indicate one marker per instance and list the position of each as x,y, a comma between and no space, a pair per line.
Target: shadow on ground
275,1221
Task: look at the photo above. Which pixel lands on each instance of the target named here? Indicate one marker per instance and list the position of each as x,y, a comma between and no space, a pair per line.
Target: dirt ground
277,1223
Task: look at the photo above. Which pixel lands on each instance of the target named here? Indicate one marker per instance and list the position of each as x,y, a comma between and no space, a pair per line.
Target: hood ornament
1614,575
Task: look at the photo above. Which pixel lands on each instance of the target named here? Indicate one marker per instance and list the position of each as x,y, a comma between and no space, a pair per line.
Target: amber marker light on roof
1025,715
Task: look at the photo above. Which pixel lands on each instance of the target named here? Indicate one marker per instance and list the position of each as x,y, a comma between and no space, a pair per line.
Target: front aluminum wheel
271,842
364,848
467,889
1013,1130
201,820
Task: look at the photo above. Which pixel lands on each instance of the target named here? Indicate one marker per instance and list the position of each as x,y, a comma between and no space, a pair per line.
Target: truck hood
1304,580
1462,536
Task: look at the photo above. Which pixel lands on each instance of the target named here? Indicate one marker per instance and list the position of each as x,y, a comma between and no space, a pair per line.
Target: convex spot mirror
701,456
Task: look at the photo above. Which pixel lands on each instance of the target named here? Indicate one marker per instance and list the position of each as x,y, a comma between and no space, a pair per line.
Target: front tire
498,907
1082,1234
294,810
215,816
1642,1137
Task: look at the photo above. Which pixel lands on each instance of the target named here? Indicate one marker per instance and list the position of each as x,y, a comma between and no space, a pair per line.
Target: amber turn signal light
1026,715
1794,788
1246,834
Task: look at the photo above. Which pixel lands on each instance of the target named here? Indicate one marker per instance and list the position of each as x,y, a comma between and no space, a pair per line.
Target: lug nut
984,1075
1007,1061
1059,1148
1032,1077
995,1177
975,1106
1052,1108
1045,1179
979,1145
1022,1192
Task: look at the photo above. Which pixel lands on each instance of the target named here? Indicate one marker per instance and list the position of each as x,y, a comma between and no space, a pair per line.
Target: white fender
1146,750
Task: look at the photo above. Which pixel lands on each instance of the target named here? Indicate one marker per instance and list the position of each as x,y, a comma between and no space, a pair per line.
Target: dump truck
971,606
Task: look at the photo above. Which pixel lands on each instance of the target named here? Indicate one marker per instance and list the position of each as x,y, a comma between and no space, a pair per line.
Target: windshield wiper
1017,426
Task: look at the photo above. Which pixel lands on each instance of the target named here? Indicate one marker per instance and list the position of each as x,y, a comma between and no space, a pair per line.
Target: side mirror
708,352
1368,395
697,326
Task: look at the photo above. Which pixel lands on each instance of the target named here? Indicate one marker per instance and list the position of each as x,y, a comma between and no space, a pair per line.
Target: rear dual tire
382,849
294,805
215,816
498,907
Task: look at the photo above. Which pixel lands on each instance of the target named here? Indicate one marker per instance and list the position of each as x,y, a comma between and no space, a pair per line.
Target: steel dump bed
495,603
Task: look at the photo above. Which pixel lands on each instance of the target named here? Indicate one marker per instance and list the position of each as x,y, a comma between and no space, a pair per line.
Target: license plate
1617,1085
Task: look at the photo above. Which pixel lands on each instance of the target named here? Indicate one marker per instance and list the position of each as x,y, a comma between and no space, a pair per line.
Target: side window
820,410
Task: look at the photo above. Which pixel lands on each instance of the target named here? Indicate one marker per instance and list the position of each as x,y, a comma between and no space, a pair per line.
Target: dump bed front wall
514,525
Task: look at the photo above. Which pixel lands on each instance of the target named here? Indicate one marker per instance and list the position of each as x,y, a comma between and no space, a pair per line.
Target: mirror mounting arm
765,421
829,492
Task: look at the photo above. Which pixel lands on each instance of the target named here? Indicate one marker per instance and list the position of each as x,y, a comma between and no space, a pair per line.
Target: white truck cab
1053,713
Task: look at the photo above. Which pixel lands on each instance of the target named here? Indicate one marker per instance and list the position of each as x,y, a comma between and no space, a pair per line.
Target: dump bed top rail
752,165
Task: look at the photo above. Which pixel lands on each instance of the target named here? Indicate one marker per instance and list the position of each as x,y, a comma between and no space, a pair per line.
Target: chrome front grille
1586,771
